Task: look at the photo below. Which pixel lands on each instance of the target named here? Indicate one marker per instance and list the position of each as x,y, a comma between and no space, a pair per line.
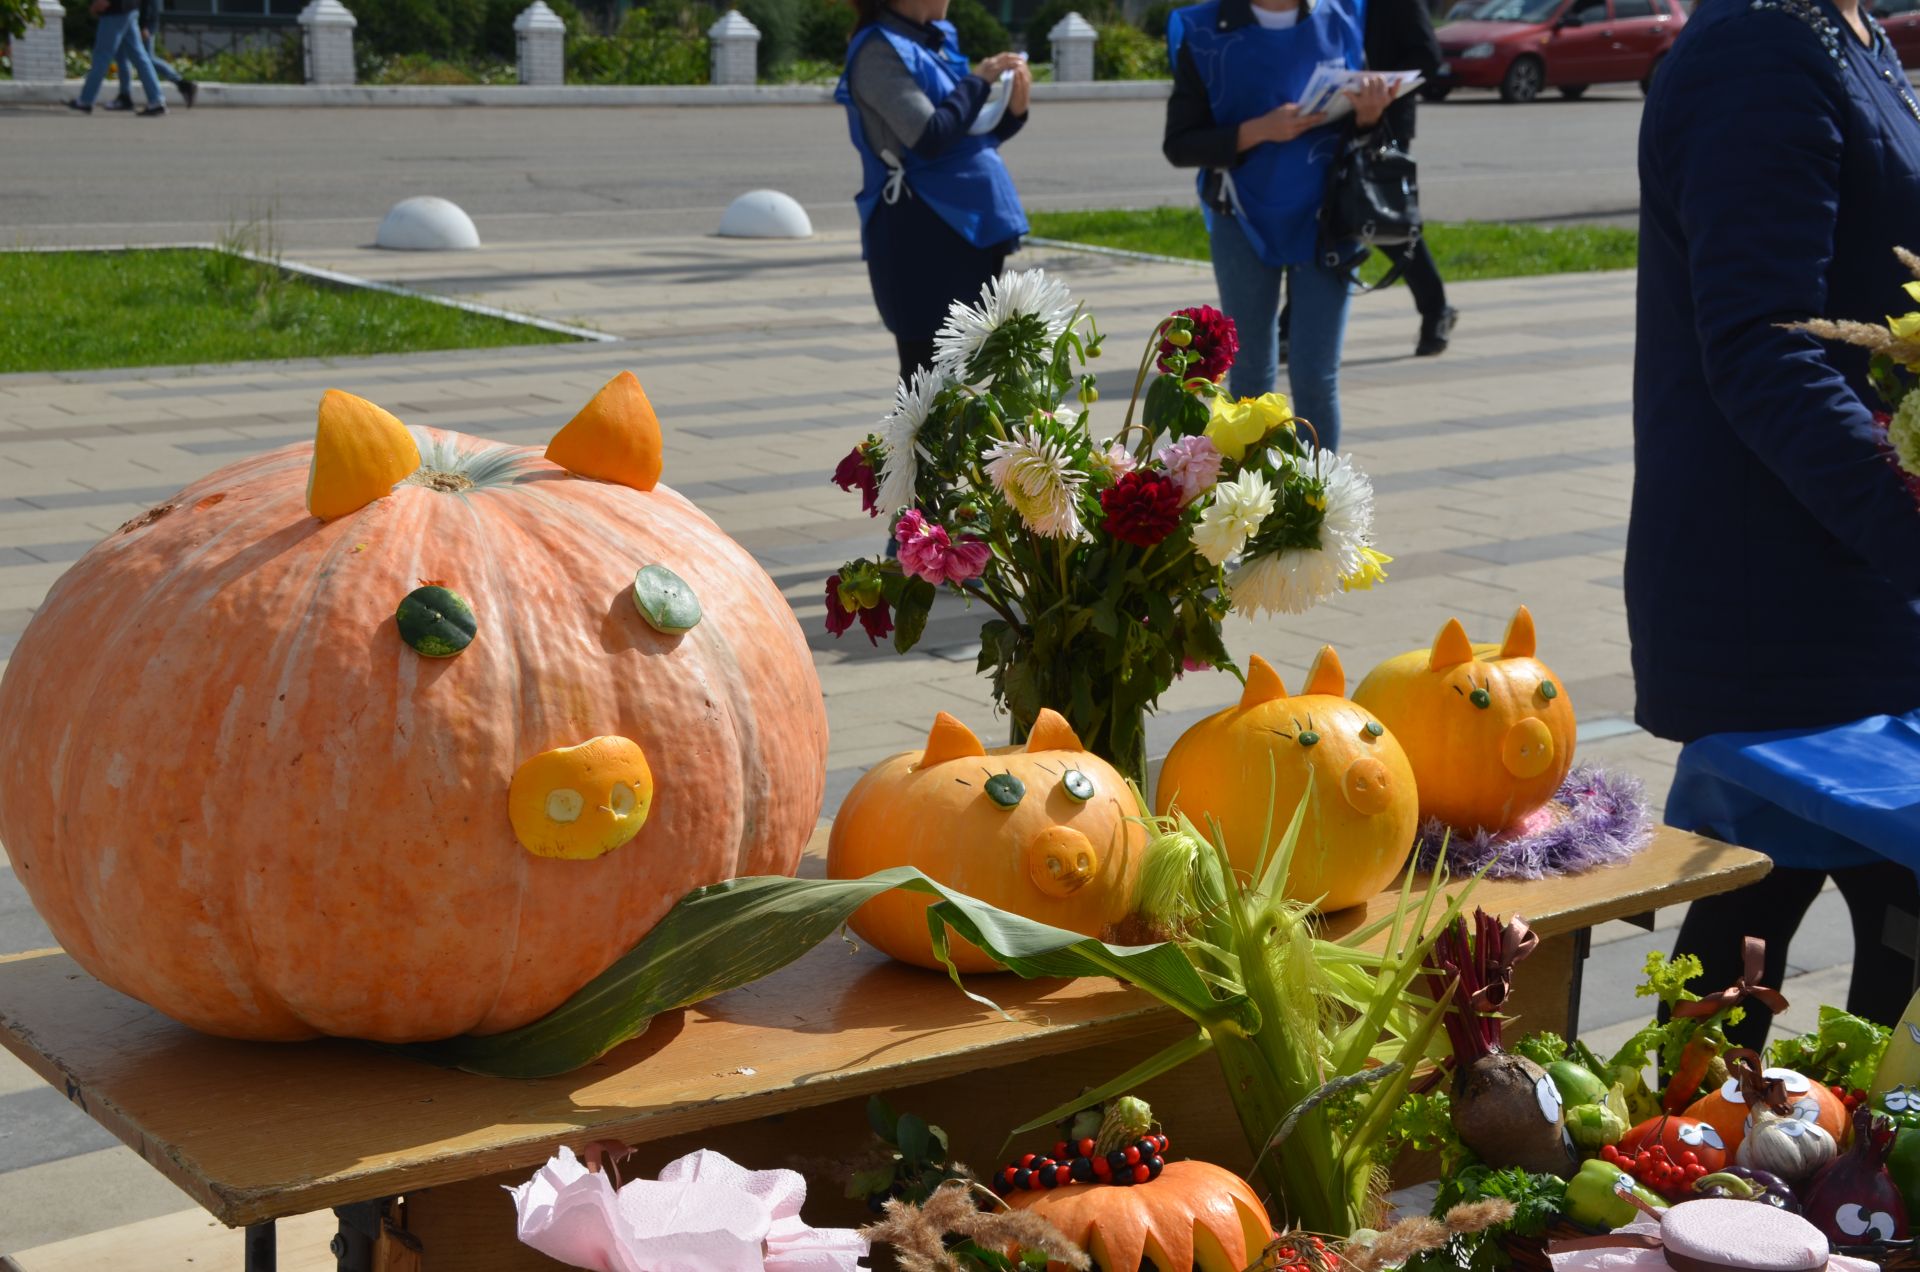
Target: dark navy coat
1773,560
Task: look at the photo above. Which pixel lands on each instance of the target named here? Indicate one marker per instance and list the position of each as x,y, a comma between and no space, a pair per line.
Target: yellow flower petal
1905,327
1232,427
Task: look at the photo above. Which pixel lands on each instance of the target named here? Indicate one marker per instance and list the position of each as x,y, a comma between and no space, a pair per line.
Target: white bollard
1073,39
326,40
541,38
734,46
40,56
765,214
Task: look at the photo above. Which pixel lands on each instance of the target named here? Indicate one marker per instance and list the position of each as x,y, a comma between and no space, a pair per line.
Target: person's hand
1370,100
1281,124
1022,85
991,69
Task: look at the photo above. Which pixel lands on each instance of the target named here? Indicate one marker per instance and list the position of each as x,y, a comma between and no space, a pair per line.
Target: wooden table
774,1074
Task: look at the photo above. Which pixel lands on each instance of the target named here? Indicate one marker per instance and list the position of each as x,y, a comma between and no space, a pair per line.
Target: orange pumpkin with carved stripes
235,792
1194,1216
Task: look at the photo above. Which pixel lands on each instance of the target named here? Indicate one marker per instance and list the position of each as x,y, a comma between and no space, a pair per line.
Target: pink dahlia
1193,464
1215,342
928,552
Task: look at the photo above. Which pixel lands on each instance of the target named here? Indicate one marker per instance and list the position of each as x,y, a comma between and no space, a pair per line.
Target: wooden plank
186,1240
256,1131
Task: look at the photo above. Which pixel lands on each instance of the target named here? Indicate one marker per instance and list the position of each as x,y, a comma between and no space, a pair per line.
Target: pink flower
928,552
1194,465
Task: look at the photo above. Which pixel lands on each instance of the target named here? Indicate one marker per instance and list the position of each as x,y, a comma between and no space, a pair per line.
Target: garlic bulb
1785,1146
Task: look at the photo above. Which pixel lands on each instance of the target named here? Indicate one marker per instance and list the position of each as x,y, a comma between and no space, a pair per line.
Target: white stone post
734,45
542,41
40,56
326,39
1073,39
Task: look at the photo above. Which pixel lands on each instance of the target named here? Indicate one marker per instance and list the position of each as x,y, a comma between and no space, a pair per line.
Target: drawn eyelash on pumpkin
964,782
1280,732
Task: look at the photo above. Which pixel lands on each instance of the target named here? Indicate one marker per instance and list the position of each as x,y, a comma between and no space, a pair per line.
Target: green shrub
1154,20
1125,52
825,27
443,28
981,34
1099,12
779,23
664,44
275,63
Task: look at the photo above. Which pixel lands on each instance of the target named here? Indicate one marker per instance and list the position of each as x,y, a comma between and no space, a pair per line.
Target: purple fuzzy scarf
1597,818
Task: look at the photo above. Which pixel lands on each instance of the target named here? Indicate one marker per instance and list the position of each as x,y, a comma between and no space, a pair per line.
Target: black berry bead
1118,1161
1023,1178
1082,1170
1155,1166
1046,1180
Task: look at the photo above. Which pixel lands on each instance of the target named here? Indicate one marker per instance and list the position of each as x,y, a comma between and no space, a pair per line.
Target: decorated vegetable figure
1047,830
1781,1144
1853,1199
1686,1141
1598,1124
1505,1108
1271,751
1785,1092
1742,1183
369,738
1487,728
1598,1196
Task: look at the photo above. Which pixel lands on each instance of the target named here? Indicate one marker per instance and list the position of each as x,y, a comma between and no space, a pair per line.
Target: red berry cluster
1671,1177
1852,1099
1296,1258
1137,1163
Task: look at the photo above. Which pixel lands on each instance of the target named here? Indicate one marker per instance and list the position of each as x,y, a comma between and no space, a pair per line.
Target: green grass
1464,249
73,311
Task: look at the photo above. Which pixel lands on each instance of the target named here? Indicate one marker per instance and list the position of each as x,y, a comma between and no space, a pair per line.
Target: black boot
119,103
1435,332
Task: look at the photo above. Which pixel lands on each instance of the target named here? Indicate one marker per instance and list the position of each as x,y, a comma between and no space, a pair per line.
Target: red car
1524,46
1901,18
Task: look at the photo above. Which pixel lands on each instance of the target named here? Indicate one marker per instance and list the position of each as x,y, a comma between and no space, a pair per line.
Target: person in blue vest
938,211
1773,551
1239,67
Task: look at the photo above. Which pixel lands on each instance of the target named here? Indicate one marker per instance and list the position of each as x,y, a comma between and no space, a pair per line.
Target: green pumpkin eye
1548,691
1308,737
1005,789
1480,698
435,622
1077,785
1375,729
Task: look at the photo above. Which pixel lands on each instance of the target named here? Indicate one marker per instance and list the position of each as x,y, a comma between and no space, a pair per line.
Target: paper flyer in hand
1325,93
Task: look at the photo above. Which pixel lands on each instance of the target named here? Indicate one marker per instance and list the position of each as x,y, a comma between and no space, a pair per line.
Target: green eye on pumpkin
435,622
1308,737
1548,691
1006,790
1077,785
1480,698
1375,729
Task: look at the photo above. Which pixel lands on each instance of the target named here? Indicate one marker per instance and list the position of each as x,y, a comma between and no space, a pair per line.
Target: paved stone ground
1503,472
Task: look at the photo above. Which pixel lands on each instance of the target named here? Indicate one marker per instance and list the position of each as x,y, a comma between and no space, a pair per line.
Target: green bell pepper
1594,1196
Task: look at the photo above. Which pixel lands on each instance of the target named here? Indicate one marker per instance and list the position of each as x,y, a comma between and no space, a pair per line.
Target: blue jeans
119,36
1250,295
161,67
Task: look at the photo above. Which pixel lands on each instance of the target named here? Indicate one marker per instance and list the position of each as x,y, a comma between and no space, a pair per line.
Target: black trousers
1772,910
1422,276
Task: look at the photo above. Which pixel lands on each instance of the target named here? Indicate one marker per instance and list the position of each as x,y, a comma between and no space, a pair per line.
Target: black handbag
1373,200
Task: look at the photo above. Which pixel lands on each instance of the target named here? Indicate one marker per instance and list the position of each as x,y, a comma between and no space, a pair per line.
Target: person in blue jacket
1239,67
1773,554
938,211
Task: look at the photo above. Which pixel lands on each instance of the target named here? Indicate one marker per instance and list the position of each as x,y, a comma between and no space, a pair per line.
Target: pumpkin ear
1327,676
1263,683
1051,732
1519,642
359,453
616,437
1450,648
949,740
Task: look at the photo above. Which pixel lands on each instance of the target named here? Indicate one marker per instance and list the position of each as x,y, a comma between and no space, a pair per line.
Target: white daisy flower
1216,538
900,440
1290,581
1347,526
1038,480
967,327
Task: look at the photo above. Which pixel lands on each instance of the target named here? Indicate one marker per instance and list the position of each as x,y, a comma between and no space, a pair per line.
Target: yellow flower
1906,326
1370,572
1234,426
1913,290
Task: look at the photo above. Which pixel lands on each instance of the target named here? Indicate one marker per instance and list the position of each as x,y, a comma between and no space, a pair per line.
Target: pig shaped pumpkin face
1044,830
1488,728
1248,768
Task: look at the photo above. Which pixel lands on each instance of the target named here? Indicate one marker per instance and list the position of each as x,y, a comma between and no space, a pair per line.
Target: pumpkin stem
1123,1121
360,453
434,479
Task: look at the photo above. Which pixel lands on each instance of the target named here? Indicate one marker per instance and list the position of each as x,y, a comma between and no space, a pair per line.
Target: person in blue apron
1239,67
938,211
1773,550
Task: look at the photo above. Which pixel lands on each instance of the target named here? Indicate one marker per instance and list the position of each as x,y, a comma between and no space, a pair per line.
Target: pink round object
1742,1235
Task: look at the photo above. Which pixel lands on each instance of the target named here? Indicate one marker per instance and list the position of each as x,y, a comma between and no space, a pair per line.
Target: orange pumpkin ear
1051,732
1519,642
1327,675
1263,683
616,437
1450,648
359,452
949,740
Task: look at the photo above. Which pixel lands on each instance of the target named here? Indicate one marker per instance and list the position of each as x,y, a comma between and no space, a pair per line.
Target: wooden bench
774,1074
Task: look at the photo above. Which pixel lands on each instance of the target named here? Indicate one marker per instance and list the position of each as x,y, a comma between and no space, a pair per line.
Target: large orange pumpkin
1195,1215
236,793
1488,728
1727,1109
1248,768
1048,830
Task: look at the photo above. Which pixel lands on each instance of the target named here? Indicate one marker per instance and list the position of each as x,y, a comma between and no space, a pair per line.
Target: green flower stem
1140,377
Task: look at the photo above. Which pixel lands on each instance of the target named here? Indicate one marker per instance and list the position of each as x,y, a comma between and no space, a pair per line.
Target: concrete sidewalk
1503,473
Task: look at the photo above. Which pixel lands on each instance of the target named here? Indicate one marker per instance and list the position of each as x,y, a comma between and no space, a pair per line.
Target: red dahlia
1142,508
876,620
856,470
1215,342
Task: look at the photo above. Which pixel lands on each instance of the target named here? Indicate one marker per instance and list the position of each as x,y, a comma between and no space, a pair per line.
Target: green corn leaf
1194,1044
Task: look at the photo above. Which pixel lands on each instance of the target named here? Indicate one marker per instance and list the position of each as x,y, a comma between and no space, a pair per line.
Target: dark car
1901,18
1524,46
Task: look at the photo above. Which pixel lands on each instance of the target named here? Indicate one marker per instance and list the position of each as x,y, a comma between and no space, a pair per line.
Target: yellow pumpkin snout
1061,861
581,802
1527,748
1367,786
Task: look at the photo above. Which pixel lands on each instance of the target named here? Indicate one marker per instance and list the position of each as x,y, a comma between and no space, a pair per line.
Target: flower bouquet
1107,562
1894,370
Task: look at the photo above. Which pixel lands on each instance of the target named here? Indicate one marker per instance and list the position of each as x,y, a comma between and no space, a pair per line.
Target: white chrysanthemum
1037,478
900,440
1216,538
1347,526
1290,581
968,326
1246,500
